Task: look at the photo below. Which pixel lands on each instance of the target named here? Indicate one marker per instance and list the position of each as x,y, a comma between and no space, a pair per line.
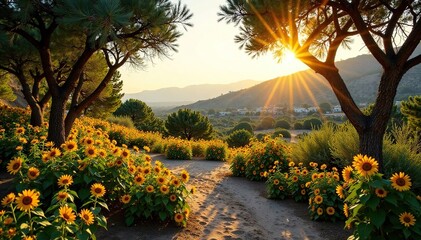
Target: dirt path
226,207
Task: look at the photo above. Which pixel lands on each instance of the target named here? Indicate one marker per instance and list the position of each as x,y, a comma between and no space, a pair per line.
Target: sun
289,58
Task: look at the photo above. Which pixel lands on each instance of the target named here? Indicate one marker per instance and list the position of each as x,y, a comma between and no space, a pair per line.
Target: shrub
285,133
296,179
238,163
119,137
344,144
261,136
314,147
277,185
178,149
267,123
379,207
298,126
243,125
282,124
216,150
239,138
121,120
312,123
263,157
158,147
199,148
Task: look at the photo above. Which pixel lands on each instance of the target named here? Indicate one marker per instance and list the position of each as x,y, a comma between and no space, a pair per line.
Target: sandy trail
227,207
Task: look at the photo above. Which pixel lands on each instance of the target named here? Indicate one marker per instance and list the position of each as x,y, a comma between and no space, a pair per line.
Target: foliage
283,124
178,149
121,120
277,185
239,138
263,156
243,125
411,109
312,123
297,178
298,126
314,147
324,203
266,123
380,208
6,92
188,124
343,144
199,148
141,114
238,162
216,150
280,131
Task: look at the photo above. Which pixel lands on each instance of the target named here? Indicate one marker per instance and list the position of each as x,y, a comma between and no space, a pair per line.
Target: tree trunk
371,144
37,117
56,130
70,119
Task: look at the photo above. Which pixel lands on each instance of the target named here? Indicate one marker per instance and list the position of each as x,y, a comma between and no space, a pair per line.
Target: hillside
188,94
361,75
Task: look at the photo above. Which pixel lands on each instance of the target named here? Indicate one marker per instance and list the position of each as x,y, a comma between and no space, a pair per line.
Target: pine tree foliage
188,124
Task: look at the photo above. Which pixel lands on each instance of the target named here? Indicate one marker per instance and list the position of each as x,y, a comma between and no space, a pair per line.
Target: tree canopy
141,114
188,124
62,36
411,109
315,30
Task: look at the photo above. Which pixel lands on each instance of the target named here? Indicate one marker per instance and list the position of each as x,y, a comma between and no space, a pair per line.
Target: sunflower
330,210
186,212
150,188
97,190
116,152
178,217
366,166
164,189
336,177
185,176
318,199
294,178
323,167
8,221
319,211
131,169
33,173
314,176
139,179
173,198
87,216
340,191
48,144
65,180
19,148
91,151
146,148
281,188
161,180
11,232
316,191
157,169
125,153
401,181
27,200
28,238
304,172
148,158
381,193
20,130
276,182
70,146
14,165
102,153
54,152
346,210
67,214
407,219
125,198
176,182
146,170
303,192
61,196
119,162
9,198
346,173
88,141
45,157
291,164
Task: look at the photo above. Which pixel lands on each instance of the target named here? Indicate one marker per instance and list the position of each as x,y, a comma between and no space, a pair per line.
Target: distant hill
188,94
361,75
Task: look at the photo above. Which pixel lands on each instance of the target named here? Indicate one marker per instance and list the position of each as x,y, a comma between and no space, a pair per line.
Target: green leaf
406,233
104,205
84,194
44,223
24,226
162,216
378,217
373,202
129,220
392,200
102,221
364,230
39,213
82,236
87,178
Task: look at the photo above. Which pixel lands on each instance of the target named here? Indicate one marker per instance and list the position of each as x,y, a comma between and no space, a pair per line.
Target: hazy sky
207,53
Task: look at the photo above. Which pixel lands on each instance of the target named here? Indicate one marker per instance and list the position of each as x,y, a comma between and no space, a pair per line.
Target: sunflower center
66,216
400,182
27,200
367,166
16,166
407,219
91,151
70,146
98,190
65,181
32,173
86,217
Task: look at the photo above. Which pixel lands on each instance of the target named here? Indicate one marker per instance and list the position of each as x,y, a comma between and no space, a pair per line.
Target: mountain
188,94
361,75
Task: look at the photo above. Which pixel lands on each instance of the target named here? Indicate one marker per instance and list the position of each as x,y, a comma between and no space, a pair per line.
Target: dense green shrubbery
314,147
238,162
312,123
285,133
178,149
243,125
239,138
216,150
344,144
277,185
198,148
118,136
282,124
121,120
298,126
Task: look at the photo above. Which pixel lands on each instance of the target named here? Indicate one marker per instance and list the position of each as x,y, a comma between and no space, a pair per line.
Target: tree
188,124
6,92
243,125
239,138
118,31
325,107
283,124
314,31
267,123
141,114
411,109
109,100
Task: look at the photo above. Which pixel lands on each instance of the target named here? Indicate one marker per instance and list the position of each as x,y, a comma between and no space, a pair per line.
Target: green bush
198,148
158,147
283,124
243,125
277,186
178,149
239,138
266,123
216,150
344,144
314,147
261,136
121,120
285,133
312,123
119,137
238,163
298,126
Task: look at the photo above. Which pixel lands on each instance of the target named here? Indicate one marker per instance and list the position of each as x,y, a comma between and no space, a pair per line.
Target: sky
207,53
